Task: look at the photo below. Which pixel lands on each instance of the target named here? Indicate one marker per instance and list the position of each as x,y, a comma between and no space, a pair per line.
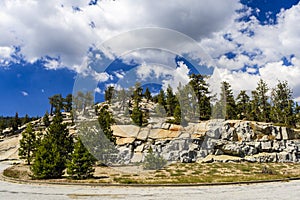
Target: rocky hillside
9,140
213,140
209,141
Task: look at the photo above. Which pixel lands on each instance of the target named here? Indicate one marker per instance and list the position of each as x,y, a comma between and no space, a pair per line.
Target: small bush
153,161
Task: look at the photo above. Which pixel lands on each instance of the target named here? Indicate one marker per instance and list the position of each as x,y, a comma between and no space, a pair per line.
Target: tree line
14,122
265,104
194,102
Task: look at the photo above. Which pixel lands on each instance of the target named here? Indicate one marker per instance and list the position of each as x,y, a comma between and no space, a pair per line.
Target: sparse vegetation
153,161
184,173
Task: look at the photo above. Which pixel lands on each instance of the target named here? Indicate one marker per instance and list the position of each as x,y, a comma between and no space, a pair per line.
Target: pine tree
161,99
243,105
48,162
282,110
177,114
188,103
68,103
28,144
26,119
15,122
105,121
56,102
171,101
46,119
137,115
147,94
54,151
109,93
260,103
227,97
81,164
200,87
137,93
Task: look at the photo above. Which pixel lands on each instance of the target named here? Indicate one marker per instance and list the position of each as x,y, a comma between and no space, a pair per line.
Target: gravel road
280,190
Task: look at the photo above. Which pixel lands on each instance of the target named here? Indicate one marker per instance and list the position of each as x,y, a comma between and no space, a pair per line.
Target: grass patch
11,173
187,173
126,180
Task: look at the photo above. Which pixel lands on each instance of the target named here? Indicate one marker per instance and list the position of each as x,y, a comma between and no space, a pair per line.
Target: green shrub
153,161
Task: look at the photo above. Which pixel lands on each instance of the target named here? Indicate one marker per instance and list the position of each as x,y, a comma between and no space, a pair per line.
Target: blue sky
45,46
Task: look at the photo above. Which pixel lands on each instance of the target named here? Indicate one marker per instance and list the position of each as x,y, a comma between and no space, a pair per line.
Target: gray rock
264,138
143,134
139,148
283,157
137,157
218,152
287,134
191,156
232,149
266,146
193,147
166,126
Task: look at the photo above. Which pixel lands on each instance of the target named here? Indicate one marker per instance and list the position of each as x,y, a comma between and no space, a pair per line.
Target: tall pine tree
200,87
260,106
243,105
80,166
28,144
283,106
54,151
227,97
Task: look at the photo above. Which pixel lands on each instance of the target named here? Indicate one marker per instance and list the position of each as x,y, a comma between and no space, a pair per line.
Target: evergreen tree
15,122
81,164
147,94
188,103
68,103
46,119
122,97
56,102
48,162
25,120
105,121
2,124
282,110
54,151
82,101
177,114
200,87
137,115
227,97
97,143
171,101
28,144
137,93
79,101
219,110
161,99
243,105
260,102
108,95
297,113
